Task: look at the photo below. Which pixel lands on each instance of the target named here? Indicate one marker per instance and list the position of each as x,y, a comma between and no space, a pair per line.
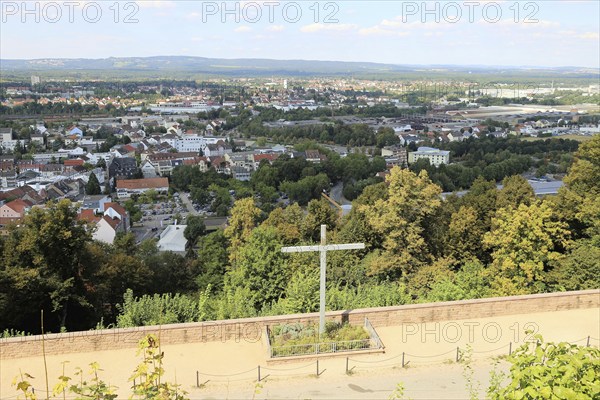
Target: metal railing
373,333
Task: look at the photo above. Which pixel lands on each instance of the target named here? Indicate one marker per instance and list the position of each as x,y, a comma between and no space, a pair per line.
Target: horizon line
523,66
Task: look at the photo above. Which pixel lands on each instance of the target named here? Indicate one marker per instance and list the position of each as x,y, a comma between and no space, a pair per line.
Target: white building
148,169
172,239
435,156
94,158
190,143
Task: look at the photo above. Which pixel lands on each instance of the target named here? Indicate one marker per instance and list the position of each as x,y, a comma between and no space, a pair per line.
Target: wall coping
277,318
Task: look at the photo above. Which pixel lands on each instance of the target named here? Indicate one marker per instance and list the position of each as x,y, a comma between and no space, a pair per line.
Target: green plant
24,386
466,359
398,393
95,388
496,378
148,374
550,371
8,333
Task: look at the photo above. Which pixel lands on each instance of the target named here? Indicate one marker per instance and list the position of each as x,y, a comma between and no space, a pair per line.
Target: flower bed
299,339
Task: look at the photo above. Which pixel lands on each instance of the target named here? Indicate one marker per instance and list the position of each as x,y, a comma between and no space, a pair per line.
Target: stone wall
251,329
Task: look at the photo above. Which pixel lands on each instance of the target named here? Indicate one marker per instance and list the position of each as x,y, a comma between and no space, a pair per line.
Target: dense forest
419,247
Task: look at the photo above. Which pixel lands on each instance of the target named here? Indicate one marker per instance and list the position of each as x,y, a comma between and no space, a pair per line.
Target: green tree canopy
524,241
46,263
399,220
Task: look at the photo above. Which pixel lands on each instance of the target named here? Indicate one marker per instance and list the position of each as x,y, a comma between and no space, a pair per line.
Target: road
188,204
337,195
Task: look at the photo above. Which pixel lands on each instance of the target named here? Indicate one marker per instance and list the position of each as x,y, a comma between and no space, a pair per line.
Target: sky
503,33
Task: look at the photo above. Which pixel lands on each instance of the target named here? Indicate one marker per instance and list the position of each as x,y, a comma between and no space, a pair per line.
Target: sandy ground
230,369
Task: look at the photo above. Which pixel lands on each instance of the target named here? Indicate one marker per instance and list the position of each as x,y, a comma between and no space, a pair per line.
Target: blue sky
556,33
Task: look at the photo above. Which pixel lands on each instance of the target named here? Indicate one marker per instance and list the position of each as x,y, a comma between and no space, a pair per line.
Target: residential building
435,156
149,169
270,157
24,193
14,211
127,187
95,202
6,134
94,158
241,173
116,211
314,156
38,139
108,224
122,168
218,149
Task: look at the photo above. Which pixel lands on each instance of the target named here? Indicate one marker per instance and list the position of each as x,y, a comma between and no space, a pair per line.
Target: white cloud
313,28
193,15
275,28
377,30
155,3
243,29
396,27
589,35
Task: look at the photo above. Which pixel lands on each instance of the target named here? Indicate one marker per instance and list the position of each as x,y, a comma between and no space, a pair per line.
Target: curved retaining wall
251,329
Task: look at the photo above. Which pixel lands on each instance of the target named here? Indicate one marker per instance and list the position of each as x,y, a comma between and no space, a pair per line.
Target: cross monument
323,248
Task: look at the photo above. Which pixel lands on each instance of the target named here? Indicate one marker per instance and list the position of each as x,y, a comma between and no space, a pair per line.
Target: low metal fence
373,342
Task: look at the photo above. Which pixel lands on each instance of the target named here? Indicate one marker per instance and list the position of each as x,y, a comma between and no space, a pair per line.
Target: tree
135,214
288,223
399,221
244,218
482,198
579,269
515,191
579,201
195,228
319,213
386,137
524,241
211,261
464,235
306,188
470,282
93,185
47,263
260,267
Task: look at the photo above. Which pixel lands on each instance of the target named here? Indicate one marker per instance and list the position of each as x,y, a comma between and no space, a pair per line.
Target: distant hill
160,65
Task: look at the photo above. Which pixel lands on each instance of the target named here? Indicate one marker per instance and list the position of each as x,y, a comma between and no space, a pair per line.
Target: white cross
323,249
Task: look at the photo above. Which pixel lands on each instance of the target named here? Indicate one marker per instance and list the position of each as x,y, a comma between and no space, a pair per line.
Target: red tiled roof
88,215
270,157
73,162
113,222
217,160
19,205
21,192
142,183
